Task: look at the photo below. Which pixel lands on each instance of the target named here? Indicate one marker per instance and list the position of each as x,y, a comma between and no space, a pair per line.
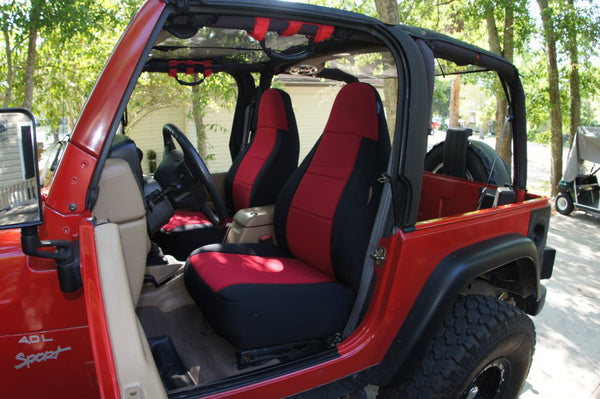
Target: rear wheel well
512,282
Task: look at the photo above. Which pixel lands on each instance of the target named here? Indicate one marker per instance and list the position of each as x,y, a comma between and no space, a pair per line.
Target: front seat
254,179
262,295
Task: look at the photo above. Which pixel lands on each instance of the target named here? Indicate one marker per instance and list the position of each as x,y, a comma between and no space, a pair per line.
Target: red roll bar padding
324,32
190,66
261,27
292,28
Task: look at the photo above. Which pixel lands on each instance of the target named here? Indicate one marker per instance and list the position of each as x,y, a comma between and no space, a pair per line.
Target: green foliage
74,41
441,98
75,38
541,136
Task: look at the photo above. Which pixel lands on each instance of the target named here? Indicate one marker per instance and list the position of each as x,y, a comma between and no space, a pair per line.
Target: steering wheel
196,172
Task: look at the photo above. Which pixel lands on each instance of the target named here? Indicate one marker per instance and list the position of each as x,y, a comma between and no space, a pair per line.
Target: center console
252,225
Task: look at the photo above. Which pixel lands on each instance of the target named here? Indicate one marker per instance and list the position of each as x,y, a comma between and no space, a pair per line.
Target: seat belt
248,117
381,220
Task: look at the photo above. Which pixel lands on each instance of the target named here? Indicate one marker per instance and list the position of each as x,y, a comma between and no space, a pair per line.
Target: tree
506,49
42,40
454,103
387,11
574,81
579,27
555,107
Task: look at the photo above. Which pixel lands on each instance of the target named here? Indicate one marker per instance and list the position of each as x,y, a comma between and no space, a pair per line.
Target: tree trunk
574,85
502,141
9,68
507,51
198,115
509,38
555,112
454,102
34,18
387,11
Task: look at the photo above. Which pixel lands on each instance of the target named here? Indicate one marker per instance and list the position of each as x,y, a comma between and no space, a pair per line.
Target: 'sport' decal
40,357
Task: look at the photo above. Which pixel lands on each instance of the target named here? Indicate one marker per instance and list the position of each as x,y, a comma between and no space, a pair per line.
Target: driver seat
263,295
254,179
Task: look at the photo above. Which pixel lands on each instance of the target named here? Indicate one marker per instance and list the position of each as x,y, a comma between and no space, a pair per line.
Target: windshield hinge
379,256
65,254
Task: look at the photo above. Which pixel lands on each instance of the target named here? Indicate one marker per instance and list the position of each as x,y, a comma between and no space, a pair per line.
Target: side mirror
20,203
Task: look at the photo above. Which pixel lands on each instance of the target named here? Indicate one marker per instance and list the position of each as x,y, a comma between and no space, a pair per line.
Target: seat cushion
186,220
257,295
186,231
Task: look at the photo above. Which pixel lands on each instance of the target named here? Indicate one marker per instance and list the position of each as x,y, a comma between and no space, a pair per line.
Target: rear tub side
433,264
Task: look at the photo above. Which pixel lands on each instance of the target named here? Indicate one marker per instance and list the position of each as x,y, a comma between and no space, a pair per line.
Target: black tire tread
483,163
468,327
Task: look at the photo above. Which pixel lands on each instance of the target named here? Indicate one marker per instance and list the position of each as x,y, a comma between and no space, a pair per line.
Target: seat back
121,202
325,212
259,172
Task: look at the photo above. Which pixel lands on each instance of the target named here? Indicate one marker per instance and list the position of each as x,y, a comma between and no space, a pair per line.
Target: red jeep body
57,344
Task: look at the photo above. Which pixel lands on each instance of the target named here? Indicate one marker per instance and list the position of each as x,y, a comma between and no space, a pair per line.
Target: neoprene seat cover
262,295
254,179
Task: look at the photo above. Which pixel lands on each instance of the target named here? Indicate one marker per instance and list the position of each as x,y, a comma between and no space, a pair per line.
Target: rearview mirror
20,204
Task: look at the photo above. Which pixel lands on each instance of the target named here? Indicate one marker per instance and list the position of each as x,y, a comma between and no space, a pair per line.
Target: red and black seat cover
254,179
262,295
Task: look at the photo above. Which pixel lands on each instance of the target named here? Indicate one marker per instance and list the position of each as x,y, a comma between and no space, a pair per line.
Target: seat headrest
355,111
271,111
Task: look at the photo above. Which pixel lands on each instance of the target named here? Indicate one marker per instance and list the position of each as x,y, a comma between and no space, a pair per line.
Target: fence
16,193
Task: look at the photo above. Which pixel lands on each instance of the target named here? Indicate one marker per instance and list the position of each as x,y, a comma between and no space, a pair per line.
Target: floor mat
207,356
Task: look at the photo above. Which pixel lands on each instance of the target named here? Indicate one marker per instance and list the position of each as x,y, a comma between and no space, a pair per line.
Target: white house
311,100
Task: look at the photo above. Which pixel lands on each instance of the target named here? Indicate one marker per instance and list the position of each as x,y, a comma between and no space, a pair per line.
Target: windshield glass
49,160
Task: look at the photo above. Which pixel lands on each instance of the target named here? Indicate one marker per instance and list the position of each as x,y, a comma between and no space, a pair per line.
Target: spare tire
480,163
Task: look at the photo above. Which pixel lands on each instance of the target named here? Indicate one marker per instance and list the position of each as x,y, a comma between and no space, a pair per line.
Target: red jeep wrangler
366,263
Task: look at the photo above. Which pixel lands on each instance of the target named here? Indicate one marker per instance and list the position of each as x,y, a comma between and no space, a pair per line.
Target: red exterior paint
58,364
31,303
72,181
445,195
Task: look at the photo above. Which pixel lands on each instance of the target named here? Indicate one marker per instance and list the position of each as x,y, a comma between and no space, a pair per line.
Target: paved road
567,358
566,363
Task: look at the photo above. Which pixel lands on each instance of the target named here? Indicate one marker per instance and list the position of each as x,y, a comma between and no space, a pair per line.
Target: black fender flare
440,291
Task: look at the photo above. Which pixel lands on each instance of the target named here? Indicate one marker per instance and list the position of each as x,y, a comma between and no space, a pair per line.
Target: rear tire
483,350
564,203
483,163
